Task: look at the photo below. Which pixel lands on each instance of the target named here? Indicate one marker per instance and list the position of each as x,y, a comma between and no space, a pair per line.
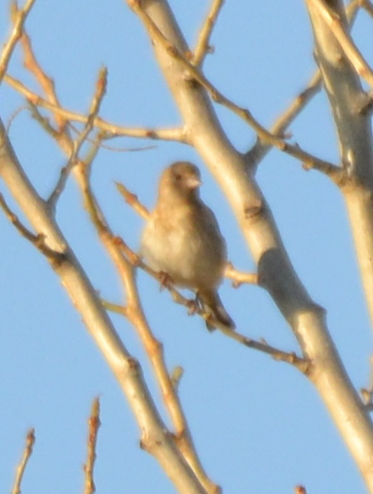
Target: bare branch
133,201
262,346
203,43
27,452
195,75
38,241
172,134
239,277
78,143
260,149
155,436
93,426
367,5
134,312
300,489
338,30
20,17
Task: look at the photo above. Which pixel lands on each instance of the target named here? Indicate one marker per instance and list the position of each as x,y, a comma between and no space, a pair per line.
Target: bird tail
212,304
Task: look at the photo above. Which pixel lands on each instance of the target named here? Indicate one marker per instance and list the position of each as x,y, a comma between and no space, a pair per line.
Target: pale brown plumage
182,238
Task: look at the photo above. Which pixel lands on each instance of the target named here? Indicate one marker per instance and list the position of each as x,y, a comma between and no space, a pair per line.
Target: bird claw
165,280
193,306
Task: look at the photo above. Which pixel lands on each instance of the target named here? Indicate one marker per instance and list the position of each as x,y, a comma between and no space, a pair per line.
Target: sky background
258,425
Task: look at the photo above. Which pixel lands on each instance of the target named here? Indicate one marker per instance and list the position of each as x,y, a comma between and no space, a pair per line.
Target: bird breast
187,245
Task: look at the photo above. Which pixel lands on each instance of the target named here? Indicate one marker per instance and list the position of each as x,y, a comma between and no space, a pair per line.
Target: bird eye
178,176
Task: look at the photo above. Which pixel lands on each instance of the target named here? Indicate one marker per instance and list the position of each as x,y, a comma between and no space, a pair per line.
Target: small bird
182,239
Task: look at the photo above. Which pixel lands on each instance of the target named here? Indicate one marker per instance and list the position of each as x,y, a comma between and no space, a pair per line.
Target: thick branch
276,273
85,299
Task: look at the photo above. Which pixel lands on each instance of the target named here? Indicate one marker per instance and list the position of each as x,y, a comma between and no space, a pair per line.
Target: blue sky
258,425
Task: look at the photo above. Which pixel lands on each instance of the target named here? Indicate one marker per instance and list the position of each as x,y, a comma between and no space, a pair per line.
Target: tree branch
203,43
337,28
172,134
93,426
19,17
78,143
85,299
193,75
134,312
27,452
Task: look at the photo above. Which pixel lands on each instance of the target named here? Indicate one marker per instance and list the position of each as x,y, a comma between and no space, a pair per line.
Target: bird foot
193,305
165,280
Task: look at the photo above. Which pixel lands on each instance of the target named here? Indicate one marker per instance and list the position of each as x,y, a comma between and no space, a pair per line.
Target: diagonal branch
195,75
337,28
113,130
93,426
39,241
19,18
203,43
78,143
134,312
260,149
27,452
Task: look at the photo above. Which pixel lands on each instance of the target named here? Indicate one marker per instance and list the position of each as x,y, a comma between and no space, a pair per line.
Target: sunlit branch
125,265
45,82
172,134
300,489
93,426
193,308
230,272
259,150
27,452
367,5
19,18
133,200
194,74
335,173
203,43
339,31
367,393
239,277
38,241
78,143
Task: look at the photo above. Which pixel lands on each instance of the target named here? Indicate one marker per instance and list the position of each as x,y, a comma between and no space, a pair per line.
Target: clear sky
258,425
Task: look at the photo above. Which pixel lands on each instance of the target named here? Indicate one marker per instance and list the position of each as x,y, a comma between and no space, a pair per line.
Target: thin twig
239,277
260,149
112,307
93,426
367,393
56,258
203,43
300,489
27,452
133,201
78,143
45,82
262,346
19,17
125,266
172,134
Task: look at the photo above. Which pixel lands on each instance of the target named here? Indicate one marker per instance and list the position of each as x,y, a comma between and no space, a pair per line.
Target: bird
182,239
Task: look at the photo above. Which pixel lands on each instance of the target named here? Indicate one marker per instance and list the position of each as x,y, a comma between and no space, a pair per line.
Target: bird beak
193,182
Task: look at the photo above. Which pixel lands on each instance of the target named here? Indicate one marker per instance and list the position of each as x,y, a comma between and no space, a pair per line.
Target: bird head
181,178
